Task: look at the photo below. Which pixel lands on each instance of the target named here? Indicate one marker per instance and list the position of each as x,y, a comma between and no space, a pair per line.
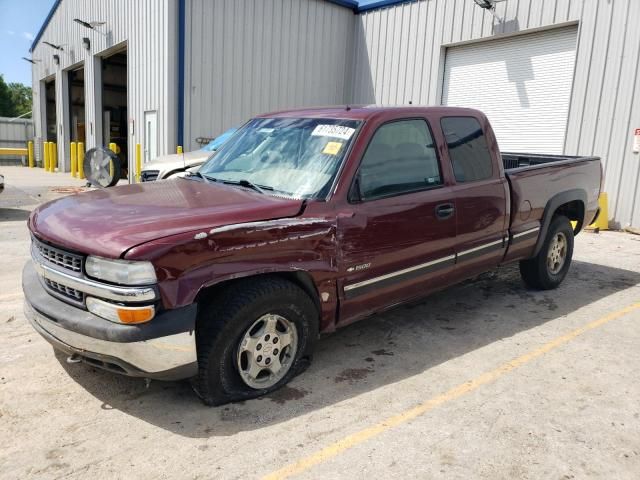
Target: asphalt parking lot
485,380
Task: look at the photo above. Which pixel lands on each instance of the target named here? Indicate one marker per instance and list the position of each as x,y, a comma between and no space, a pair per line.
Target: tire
545,271
223,329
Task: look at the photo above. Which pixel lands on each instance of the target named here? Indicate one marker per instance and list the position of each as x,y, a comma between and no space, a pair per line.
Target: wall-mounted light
53,45
90,25
56,59
86,43
490,6
487,4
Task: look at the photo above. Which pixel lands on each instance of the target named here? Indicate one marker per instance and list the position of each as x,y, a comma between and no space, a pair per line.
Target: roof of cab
364,112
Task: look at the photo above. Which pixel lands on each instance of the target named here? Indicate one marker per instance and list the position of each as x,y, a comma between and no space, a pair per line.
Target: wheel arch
300,278
572,204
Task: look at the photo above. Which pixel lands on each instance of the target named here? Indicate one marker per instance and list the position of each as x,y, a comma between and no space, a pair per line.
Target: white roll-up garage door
522,83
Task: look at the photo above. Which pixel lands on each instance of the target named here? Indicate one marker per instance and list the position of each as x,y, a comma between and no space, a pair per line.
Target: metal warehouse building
554,76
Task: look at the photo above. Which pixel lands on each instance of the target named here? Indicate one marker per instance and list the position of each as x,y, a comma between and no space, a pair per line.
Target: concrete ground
485,380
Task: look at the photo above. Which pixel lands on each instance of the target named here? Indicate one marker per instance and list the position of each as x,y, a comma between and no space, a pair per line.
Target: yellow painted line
357,438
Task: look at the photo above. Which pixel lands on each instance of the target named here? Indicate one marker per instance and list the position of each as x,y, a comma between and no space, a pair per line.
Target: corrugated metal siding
14,133
149,28
399,57
245,57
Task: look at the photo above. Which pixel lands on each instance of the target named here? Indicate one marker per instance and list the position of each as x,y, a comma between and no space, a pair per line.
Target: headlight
119,313
124,272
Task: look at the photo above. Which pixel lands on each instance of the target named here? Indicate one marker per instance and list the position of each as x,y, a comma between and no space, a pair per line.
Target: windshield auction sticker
332,148
335,131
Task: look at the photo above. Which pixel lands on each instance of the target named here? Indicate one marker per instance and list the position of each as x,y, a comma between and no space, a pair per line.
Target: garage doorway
77,122
114,105
50,118
522,83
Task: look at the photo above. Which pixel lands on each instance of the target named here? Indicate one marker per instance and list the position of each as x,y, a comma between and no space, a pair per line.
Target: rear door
150,135
480,194
399,240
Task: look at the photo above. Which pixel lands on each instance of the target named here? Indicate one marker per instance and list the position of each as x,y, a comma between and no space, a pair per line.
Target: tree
6,104
21,96
15,99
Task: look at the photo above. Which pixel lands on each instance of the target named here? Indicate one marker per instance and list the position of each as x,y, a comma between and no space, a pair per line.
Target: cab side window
468,150
401,158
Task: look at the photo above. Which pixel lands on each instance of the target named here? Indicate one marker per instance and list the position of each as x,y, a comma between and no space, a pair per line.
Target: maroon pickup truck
303,222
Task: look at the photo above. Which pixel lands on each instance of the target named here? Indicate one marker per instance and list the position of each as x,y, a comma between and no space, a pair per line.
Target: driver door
399,240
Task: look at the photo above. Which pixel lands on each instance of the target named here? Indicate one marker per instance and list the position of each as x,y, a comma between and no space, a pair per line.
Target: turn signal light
135,316
120,313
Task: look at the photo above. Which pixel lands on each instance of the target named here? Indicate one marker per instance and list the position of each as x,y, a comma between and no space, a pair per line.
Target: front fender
187,263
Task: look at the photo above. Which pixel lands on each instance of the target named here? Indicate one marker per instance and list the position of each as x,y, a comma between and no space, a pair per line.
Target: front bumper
163,348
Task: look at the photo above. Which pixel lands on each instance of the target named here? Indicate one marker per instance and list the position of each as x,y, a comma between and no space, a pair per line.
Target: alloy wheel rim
557,253
266,351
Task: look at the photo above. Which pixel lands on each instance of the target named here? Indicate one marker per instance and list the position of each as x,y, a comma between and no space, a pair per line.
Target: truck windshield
294,157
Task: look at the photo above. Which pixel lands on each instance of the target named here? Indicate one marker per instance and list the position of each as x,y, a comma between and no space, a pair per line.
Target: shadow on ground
13,214
375,352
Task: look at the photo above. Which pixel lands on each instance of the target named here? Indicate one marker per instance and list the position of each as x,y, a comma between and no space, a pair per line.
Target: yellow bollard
138,162
114,148
602,223
49,156
74,159
54,156
179,149
80,156
45,156
30,150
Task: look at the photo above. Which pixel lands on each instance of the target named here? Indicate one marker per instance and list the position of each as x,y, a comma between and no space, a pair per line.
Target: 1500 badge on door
357,268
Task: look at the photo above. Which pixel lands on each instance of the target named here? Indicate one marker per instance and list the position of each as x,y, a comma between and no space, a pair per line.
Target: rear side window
468,150
400,158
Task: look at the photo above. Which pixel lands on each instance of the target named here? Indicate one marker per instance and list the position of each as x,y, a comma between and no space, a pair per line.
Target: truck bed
535,180
512,161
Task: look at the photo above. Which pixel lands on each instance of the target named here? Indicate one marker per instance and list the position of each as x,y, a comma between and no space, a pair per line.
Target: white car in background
168,166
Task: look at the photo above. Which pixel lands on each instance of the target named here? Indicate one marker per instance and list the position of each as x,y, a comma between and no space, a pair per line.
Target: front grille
149,175
55,256
67,292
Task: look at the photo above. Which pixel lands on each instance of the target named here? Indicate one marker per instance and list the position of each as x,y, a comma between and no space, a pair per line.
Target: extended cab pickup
303,222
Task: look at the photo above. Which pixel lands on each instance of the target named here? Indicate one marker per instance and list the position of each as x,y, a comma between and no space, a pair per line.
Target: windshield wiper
246,183
202,176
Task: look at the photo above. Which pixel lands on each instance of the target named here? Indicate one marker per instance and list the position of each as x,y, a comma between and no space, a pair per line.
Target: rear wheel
547,270
253,338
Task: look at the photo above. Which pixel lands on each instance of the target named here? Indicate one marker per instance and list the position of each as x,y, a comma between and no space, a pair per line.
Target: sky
20,21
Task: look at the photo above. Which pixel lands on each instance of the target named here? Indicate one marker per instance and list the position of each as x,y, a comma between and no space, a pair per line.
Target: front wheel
547,270
253,338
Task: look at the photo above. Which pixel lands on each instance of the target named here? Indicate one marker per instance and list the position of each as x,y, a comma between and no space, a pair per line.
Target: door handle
445,210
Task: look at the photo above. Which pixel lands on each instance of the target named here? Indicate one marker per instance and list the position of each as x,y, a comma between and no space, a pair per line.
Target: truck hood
108,222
